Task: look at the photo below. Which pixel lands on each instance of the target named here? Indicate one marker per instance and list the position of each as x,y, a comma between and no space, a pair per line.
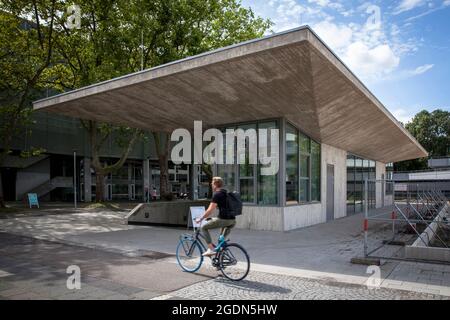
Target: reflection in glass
292,163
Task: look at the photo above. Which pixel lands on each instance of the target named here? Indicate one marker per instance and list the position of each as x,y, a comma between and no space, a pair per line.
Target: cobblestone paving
263,286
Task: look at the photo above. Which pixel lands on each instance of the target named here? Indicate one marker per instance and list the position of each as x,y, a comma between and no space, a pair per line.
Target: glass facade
302,167
267,184
246,178
247,172
358,170
315,171
292,165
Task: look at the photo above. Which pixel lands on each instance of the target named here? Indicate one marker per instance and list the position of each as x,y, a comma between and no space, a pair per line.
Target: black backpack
233,204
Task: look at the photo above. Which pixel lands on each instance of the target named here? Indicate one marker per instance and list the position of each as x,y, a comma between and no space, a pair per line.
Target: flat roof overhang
292,74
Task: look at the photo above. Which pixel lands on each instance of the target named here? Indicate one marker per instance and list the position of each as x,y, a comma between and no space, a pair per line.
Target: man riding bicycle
223,221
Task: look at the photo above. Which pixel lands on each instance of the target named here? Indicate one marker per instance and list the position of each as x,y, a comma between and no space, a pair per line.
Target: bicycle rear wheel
234,262
189,255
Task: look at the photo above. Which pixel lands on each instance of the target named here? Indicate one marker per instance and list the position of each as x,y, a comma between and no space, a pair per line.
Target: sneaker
208,253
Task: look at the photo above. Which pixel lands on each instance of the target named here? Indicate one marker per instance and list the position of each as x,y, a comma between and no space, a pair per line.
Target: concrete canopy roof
292,74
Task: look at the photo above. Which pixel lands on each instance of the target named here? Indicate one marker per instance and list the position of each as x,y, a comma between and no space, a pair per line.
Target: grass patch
103,205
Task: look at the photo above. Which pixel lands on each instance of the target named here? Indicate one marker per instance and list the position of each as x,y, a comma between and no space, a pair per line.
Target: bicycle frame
198,239
222,259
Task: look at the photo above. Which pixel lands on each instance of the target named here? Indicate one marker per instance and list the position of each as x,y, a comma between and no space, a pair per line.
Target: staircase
52,184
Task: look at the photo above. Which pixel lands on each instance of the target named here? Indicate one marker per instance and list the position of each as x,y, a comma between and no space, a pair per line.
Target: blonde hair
217,181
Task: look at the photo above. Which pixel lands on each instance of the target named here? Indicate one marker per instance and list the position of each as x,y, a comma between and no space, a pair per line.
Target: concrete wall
261,218
389,200
165,213
338,158
32,177
303,215
421,248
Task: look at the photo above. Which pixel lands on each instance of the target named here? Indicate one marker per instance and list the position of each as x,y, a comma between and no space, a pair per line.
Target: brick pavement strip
268,286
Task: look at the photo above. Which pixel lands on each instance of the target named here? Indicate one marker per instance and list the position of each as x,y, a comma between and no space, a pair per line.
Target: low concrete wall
420,249
302,216
32,177
388,200
163,213
261,218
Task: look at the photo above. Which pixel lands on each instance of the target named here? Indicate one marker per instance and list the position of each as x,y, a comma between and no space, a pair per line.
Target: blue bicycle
230,258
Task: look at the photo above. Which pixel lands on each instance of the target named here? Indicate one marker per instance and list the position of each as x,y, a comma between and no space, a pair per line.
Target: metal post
366,216
75,179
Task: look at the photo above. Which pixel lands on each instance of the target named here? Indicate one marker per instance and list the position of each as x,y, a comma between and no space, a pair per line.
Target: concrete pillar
146,177
87,180
380,188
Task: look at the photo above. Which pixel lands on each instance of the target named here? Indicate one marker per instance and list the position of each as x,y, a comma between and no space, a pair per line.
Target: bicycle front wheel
189,255
234,262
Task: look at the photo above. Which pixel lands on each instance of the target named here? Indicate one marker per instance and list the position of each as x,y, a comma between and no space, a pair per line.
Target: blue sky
400,49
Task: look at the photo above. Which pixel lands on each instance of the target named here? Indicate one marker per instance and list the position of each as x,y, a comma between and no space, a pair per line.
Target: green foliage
39,53
26,42
32,152
432,131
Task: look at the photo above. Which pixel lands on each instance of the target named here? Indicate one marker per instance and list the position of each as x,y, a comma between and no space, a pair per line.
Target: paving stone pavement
264,286
33,269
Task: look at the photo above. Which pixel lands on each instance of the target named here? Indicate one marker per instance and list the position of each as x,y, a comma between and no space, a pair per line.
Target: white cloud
287,14
408,73
407,5
432,9
322,3
371,62
336,36
366,51
422,69
403,115
372,48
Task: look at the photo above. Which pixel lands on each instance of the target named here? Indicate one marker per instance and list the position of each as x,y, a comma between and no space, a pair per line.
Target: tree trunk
162,144
99,188
100,169
163,175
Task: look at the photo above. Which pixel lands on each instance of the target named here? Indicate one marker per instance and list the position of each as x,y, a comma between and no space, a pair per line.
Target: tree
432,131
98,134
172,30
120,37
90,54
115,38
26,51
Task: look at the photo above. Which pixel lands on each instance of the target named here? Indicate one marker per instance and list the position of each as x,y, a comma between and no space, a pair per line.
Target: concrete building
334,132
436,177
